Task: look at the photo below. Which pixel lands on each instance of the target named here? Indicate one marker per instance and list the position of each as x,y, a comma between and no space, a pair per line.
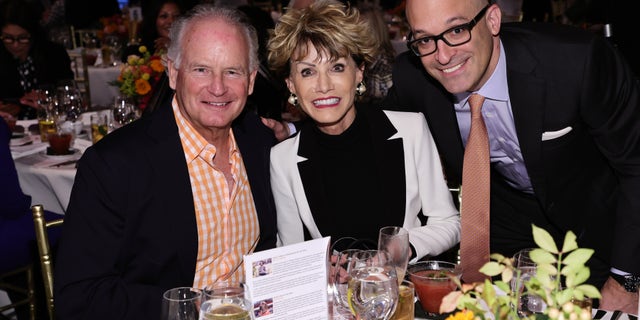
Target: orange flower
156,65
142,87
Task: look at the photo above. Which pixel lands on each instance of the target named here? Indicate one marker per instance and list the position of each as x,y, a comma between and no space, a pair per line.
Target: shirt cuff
292,128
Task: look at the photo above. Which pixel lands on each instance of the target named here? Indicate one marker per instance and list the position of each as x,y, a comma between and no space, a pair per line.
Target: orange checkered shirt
227,219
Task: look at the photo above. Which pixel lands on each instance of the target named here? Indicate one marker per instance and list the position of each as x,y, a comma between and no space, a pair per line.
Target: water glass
339,282
372,291
182,303
99,126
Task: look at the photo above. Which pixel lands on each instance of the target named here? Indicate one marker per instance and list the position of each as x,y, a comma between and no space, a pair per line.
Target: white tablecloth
41,177
102,93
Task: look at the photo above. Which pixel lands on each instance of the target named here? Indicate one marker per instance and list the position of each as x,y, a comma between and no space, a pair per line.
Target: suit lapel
527,94
169,161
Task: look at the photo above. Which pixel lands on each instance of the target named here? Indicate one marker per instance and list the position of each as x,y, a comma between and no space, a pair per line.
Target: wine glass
395,241
123,111
182,303
373,285
525,268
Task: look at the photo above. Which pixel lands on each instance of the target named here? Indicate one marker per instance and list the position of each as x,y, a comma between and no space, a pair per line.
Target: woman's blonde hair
334,29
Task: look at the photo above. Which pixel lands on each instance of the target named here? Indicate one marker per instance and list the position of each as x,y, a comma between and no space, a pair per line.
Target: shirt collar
496,88
193,143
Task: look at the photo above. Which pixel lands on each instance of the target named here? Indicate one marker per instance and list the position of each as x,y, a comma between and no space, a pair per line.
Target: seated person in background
378,74
17,235
176,198
27,58
352,170
156,23
270,93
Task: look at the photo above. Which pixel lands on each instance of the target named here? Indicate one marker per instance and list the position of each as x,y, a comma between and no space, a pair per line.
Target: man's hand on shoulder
280,128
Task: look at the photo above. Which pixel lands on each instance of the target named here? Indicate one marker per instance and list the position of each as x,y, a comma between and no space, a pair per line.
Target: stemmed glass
373,285
528,304
395,241
182,303
123,111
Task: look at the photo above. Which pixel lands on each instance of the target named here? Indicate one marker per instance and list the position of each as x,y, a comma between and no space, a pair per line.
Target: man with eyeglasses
27,59
561,111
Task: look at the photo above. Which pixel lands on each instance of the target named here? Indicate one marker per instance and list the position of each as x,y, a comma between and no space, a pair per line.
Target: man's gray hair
211,12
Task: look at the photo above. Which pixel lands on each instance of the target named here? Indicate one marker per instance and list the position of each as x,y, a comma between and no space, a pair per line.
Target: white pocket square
550,135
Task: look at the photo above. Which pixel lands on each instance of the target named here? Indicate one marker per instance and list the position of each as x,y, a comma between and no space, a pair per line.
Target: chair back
26,292
79,66
44,252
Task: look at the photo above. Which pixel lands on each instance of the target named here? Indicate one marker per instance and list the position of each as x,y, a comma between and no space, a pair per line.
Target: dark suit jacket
587,180
130,228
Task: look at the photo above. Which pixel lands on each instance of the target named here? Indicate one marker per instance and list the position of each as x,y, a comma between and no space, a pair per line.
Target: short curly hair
333,28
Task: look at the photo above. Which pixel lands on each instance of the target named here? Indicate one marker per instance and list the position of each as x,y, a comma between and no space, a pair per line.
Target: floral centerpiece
559,280
115,25
139,75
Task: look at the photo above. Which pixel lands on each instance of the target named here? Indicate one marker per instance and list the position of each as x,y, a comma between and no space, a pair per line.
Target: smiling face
462,68
167,14
325,89
214,78
18,50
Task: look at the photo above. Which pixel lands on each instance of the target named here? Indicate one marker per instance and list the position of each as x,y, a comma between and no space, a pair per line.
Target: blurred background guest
156,22
377,76
269,93
27,58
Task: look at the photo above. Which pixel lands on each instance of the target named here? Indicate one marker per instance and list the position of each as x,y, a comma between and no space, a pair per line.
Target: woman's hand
31,99
161,44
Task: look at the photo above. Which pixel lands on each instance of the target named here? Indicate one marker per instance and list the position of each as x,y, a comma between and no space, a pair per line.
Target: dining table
48,179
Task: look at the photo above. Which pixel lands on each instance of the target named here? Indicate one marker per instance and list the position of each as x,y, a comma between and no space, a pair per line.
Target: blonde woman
351,170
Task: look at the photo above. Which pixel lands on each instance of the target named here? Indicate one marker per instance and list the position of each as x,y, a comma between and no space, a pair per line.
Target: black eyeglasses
455,36
11,39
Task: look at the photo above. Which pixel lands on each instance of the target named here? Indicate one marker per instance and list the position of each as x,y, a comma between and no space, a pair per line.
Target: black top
351,180
51,63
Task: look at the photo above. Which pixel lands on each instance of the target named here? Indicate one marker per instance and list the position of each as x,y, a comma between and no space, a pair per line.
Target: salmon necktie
474,212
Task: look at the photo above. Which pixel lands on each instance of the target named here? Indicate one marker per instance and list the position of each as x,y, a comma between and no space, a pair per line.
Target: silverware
56,165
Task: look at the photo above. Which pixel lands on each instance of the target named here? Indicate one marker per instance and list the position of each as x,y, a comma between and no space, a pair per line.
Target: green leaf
569,242
579,277
550,269
543,239
589,291
541,256
507,274
492,268
579,256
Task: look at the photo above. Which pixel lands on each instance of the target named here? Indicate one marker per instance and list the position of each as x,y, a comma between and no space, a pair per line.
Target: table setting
45,175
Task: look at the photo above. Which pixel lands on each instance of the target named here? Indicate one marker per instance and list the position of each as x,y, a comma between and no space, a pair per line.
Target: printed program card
289,282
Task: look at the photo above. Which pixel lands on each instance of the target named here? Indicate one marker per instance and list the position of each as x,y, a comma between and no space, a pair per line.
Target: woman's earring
361,88
293,100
